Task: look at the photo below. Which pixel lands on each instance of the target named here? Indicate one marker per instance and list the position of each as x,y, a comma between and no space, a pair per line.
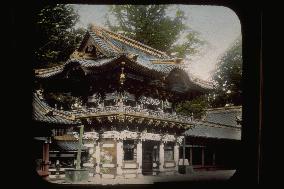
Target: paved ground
196,176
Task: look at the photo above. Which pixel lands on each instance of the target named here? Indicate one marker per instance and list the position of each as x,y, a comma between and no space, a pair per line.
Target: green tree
191,46
150,25
195,107
228,77
56,36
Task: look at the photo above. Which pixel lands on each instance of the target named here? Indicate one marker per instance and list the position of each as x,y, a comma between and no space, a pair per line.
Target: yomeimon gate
124,93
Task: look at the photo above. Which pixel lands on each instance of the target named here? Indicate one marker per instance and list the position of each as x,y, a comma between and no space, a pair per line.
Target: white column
161,155
139,157
119,157
98,159
176,155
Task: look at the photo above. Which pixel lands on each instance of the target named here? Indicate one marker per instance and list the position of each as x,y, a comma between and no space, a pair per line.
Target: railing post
78,166
183,151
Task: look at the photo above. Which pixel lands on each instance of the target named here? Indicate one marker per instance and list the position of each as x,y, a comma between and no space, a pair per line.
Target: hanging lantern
122,75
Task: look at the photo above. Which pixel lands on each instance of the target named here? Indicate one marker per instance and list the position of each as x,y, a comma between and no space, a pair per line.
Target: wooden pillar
161,155
190,155
45,158
213,159
78,162
183,151
202,156
119,157
139,157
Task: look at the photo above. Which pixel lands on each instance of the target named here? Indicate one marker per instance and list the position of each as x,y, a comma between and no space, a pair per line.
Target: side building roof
228,116
219,123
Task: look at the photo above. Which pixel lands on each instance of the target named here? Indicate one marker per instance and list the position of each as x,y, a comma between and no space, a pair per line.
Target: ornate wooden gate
148,157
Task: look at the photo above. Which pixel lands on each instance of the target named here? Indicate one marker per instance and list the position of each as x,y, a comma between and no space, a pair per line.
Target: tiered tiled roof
113,46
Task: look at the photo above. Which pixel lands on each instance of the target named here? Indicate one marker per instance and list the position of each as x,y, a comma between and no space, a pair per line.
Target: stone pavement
196,176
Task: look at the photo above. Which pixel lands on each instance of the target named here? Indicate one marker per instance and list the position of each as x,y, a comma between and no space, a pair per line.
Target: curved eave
42,113
181,81
49,72
206,85
142,118
103,64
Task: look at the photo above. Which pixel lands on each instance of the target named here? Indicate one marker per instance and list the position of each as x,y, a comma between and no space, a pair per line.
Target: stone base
140,175
186,169
108,176
97,176
76,175
119,176
166,173
130,175
189,169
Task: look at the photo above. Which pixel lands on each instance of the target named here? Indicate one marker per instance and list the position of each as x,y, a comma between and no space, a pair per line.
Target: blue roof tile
40,113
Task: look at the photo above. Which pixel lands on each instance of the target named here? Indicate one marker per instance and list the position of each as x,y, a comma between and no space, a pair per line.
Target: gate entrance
149,156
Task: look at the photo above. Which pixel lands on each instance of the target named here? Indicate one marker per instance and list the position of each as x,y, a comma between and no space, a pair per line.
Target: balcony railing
136,111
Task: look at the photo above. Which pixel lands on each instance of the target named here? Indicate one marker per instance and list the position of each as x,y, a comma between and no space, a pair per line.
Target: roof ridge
130,41
219,125
225,108
103,37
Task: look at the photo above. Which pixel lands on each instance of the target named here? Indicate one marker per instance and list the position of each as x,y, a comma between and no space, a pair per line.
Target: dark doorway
147,157
197,156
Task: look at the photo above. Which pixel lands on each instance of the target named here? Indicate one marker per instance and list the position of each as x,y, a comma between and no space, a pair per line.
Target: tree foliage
228,77
195,107
150,25
191,46
56,36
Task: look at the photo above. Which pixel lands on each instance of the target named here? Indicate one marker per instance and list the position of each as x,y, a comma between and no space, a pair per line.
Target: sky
217,25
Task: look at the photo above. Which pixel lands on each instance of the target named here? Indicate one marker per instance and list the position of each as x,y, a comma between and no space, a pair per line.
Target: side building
214,142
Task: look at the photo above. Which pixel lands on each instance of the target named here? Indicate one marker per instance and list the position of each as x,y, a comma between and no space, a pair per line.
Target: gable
89,50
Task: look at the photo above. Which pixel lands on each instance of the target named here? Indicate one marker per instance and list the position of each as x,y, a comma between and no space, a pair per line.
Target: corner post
78,164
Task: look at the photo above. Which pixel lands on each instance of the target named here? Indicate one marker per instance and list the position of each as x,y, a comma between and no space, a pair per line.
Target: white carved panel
88,164
180,139
130,176
89,145
91,135
169,138
127,171
150,136
108,165
130,165
107,176
108,145
169,164
128,134
111,134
